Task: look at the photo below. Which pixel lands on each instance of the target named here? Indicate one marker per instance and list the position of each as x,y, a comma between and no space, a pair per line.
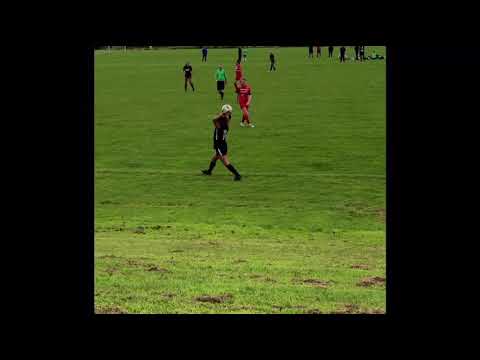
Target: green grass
310,205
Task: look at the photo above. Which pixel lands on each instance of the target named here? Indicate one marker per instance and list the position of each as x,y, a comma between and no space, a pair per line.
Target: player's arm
216,121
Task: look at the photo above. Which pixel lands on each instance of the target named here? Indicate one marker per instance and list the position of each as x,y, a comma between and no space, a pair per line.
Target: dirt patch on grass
242,307
157,269
215,299
111,271
316,282
372,281
110,310
168,295
177,251
239,261
288,307
355,309
360,266
348,309
269,279
139,230
107,257
134,262
374,311
313,311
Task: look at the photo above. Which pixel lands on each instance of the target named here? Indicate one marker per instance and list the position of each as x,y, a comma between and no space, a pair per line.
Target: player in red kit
238,76
244,99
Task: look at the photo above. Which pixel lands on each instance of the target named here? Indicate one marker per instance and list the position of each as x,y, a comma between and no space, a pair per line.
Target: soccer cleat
252,126
237,178
242,124
206,172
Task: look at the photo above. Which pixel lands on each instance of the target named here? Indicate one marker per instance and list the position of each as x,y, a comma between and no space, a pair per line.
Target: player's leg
213,162
245,114
186,79
191,84
221,88
230,167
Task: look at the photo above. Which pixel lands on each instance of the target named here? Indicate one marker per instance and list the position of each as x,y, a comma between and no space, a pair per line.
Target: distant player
342,54
238,76
238,71
245,51
187,69
357,52
221,125
362,53
272,62
221,78
244,99
239,59
204,54
330,51
310,51
319,51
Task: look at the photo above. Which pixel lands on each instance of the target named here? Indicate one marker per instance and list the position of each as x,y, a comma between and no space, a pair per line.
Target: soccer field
303,232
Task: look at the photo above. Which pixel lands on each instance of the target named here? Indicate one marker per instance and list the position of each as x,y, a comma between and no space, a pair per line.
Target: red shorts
243,105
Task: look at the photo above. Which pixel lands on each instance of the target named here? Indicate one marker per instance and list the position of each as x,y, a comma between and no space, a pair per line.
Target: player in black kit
221,123
187,69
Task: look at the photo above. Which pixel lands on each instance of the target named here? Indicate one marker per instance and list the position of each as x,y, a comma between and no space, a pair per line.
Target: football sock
232,169
212,165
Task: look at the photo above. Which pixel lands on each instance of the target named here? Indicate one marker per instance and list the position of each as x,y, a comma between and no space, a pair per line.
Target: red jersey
243,93
238,72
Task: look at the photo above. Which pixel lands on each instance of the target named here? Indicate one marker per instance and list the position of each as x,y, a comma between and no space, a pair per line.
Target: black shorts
221,148
188,76
220,85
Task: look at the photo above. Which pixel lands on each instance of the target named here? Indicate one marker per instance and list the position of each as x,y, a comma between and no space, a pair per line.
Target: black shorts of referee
220,85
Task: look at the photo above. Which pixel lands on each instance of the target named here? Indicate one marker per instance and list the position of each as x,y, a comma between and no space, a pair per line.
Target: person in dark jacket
342,54
272,62
330,51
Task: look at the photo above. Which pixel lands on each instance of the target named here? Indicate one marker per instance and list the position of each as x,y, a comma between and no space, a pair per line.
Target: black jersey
221,129
187,69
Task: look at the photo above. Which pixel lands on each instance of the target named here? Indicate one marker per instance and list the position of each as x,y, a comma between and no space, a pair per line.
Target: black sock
233,170
212,165
221,94
192,87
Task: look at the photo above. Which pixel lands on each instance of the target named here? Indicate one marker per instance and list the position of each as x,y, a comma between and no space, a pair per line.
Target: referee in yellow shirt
221,78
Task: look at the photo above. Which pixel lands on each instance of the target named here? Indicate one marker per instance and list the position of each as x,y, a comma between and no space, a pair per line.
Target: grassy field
303,232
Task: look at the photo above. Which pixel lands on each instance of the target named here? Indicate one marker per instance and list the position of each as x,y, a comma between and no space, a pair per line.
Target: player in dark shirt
357,52
362,53
310,51
204,54
272,62
342,53
221,127
330,51
187,69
